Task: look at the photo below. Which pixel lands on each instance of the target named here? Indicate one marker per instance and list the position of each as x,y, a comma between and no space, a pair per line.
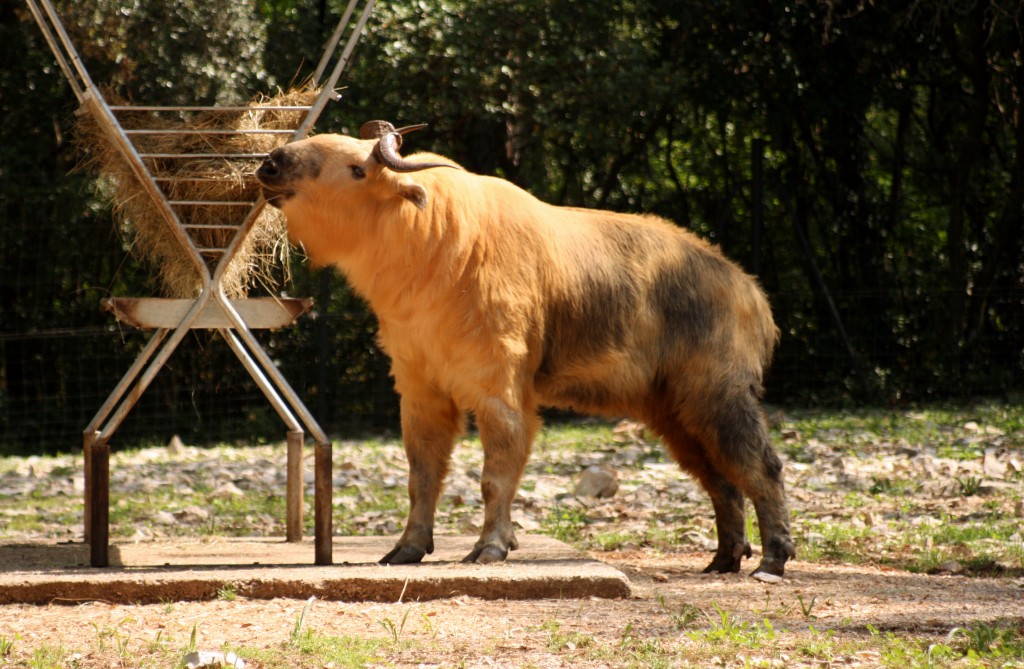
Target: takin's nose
270,170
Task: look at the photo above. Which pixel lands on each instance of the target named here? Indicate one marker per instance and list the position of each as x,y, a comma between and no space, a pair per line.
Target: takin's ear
415,193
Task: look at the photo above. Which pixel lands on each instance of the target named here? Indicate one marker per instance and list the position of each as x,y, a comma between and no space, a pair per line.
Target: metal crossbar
234,319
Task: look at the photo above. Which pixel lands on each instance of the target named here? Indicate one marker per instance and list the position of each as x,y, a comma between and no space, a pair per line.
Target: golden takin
492,302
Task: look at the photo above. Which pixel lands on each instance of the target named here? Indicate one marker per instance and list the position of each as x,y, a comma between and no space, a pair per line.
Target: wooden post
322,502
293,514
88,439
99,512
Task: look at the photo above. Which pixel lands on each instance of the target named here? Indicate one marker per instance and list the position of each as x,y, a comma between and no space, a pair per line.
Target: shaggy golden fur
493,302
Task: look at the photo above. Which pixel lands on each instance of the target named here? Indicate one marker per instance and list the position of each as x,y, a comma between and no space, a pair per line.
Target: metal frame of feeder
234,319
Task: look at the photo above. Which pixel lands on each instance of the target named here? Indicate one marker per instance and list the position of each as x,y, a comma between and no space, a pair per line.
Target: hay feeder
181,180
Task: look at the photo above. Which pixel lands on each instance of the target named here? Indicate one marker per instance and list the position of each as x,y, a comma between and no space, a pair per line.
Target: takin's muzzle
280,169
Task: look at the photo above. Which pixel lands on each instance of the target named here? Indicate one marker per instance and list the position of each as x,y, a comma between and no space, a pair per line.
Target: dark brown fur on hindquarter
701,400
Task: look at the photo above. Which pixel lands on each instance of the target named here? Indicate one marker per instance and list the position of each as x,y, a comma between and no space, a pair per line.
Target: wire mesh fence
55,376
60,355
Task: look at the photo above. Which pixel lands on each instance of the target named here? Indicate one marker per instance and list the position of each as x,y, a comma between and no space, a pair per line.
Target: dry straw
263,257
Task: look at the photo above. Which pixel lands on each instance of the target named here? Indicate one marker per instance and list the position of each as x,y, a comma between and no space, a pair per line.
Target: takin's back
606,304
639,301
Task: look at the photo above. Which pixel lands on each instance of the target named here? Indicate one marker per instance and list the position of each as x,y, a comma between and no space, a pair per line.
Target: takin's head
326,169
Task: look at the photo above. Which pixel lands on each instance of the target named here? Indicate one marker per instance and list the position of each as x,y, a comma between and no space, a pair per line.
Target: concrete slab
266,568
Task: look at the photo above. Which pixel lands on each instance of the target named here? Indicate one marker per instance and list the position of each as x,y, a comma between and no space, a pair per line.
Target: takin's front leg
429,428
507,435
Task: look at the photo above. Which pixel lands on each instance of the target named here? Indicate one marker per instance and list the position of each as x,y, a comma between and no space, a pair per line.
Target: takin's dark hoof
769,571
773,562
729,562
403,555
486,554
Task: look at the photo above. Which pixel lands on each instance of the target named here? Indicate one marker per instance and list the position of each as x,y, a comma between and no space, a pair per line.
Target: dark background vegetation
862,158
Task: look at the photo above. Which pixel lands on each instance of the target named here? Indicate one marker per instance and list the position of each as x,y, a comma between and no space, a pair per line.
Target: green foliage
152,52
891,186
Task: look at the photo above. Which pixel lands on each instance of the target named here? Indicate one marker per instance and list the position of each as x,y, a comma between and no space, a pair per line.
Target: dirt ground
827,612
670,597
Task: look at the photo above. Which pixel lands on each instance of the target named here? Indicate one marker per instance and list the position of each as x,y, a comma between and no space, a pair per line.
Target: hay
263,257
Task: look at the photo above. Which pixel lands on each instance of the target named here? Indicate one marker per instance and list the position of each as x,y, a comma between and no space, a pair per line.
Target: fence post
757,205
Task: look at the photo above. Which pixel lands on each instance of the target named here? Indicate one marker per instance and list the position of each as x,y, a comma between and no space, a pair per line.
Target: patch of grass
566,523
232,515
558,640
585,436
991,526
193,640
114,637
984,641
227,592
265,658
637,651
610,541
894,487
975,647
393,629
836,540
660,537
683,616
969,485
1015,554
854,500
300,622
726,630
159,644
37,513
821,646
988,544
938,426
49,656
338,651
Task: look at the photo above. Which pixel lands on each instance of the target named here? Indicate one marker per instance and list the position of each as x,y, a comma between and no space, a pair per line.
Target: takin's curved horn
389,140
375,129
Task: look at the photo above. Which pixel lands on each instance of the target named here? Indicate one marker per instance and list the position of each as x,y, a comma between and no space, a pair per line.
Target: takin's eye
357,172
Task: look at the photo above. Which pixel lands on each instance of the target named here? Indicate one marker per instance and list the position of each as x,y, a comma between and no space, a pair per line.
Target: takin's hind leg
726,499
772,516
730,523
745,456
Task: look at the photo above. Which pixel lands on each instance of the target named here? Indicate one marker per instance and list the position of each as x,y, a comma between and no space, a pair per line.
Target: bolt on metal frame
234,319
